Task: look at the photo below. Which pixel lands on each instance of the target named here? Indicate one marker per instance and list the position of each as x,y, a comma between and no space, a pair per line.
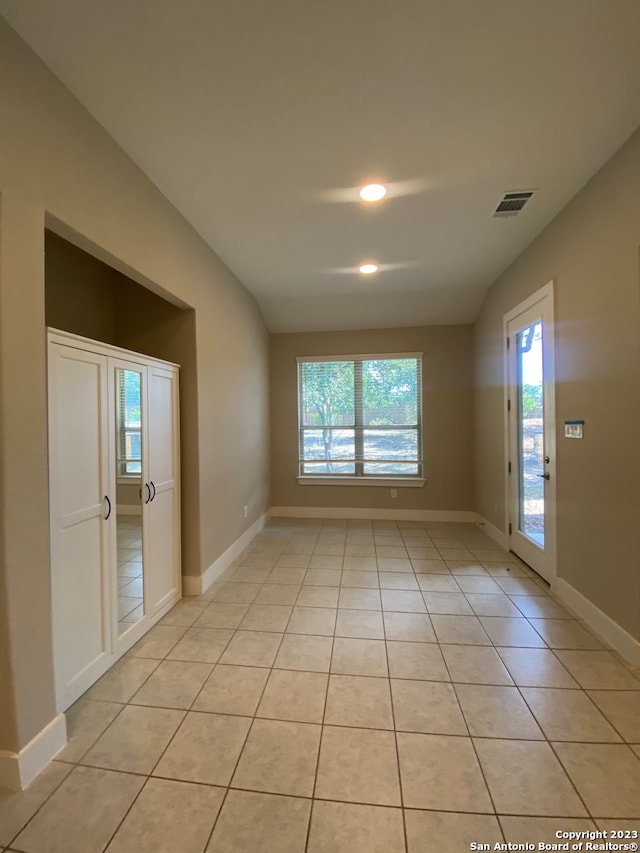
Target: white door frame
544,294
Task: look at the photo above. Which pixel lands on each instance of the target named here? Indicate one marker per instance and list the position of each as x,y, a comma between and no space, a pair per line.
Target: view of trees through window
360,417
129,422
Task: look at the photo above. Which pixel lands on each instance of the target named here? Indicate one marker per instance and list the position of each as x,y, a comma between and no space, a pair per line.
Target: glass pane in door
129,497
531,432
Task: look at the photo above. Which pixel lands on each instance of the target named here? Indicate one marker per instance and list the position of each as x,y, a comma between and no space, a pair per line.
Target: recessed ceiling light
373,192
368,269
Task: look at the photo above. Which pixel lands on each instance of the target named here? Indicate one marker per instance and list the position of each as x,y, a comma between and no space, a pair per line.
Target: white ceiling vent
512,203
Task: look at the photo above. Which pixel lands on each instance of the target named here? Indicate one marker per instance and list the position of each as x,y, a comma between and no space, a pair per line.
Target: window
360,416
128,422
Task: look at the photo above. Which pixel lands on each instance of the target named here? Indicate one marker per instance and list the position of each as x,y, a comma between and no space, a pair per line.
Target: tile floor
347,687
130,592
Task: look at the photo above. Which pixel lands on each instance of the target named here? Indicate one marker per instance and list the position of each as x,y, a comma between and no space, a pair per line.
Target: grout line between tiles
473,746
315,542
240,752
395,737
322,728
77,763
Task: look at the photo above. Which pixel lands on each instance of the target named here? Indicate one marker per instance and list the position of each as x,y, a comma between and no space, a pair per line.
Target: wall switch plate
574,429
245,511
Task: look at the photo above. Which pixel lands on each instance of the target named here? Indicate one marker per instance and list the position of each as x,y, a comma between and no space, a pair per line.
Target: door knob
545,476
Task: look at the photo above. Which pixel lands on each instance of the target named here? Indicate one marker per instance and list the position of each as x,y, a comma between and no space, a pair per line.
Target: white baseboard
608,630
192,585
17,769
129,509
374,514
197,585
494,532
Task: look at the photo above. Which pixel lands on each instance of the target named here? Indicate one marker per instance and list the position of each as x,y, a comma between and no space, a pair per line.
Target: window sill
129,479
394,482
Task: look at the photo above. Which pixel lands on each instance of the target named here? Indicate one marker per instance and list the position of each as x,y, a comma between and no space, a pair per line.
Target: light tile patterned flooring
130,581
347,687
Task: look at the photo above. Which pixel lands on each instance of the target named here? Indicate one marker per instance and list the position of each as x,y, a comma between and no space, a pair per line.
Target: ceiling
260,120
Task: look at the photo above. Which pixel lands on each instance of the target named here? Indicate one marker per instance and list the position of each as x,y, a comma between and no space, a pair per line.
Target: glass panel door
530,411
531,470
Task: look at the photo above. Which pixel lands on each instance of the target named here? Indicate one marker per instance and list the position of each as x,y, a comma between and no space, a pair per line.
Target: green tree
132,396
389,391
327,398
531,401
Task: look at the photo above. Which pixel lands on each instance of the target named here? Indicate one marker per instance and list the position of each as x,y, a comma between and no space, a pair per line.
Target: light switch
573,429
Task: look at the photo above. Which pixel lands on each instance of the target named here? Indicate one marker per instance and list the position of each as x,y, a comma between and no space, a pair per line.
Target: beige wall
591,253
27,696
57,162
447,414
128,495
79,291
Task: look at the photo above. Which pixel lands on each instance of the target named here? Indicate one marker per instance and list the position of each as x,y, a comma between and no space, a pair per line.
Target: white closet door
162,512
80,552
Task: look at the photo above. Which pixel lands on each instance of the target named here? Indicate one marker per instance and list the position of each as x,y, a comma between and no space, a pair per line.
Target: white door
531,465
81,516
162,508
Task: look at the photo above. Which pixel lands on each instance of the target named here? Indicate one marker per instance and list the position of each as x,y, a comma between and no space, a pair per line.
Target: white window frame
361,479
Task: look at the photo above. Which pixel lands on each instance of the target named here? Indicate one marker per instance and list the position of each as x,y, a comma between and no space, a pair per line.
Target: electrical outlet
245,511
394,493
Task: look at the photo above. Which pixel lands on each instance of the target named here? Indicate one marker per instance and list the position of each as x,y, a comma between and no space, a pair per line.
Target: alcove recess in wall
90,298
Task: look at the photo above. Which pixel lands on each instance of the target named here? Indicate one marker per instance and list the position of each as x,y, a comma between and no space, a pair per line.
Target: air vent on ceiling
512,203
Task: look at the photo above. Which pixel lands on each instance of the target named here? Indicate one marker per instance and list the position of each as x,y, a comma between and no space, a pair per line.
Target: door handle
154,489
106,518
146,485
545,476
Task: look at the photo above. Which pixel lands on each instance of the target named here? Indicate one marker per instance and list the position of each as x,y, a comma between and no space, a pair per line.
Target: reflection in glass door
531,471
128,433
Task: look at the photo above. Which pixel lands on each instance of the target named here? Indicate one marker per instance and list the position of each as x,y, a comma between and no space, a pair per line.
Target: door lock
545,476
